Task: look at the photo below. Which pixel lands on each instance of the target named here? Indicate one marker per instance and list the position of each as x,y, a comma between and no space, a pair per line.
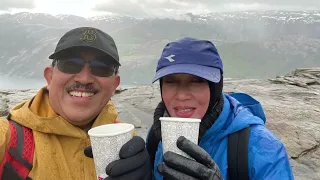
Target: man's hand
134,162
177,167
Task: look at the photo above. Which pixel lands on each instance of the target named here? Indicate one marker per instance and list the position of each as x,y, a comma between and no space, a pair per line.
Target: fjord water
7,82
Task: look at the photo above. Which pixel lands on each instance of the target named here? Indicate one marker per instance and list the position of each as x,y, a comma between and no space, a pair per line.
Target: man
82,79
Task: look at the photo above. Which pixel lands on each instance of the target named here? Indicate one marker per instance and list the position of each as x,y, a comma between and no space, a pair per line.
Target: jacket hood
240,111
37,114
267,156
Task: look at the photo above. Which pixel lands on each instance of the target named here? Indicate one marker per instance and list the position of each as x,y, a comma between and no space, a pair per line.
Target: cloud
302,3
148,7
122,7
16,4
171,7
234,5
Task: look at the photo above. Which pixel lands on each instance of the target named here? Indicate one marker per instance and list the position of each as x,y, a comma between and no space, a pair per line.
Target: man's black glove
177,167
134,162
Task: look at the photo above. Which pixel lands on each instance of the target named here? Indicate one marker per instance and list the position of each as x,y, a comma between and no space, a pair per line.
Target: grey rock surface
291,104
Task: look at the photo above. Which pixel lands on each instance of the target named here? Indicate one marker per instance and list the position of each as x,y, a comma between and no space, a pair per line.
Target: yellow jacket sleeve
4,136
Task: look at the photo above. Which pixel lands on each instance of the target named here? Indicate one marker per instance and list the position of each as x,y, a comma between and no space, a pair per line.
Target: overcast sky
143,8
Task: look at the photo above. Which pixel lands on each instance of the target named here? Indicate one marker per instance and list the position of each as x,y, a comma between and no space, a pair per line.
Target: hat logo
170,58
89,35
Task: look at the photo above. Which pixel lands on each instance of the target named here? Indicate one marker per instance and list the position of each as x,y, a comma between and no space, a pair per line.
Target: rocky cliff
291,103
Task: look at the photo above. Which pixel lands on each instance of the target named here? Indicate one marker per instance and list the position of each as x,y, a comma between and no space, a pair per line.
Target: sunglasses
98,67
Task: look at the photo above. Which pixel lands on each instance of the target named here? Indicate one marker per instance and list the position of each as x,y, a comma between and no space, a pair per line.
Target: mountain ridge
252,44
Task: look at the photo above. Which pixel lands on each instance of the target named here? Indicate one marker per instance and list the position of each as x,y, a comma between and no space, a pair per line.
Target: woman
190,72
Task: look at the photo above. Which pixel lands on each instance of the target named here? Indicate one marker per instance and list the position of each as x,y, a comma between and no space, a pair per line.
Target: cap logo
89,35
170,58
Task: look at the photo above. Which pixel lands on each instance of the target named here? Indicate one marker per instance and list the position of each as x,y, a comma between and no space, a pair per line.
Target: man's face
79,97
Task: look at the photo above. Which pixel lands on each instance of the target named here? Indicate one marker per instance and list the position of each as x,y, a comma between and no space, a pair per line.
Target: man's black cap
87,37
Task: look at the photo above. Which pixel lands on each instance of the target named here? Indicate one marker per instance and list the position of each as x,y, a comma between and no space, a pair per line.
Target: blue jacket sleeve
269,160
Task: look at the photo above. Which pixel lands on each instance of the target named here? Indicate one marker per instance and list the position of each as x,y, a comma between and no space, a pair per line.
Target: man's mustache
86,87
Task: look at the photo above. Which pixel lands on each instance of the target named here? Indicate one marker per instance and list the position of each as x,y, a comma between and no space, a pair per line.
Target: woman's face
185,95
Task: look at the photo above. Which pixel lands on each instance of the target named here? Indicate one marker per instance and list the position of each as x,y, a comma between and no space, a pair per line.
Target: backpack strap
238,155
17,162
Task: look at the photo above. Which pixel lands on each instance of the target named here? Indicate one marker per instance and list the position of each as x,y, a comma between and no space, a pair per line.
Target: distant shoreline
7,82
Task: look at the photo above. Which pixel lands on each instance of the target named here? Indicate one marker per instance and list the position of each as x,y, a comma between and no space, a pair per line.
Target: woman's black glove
134,162
177,167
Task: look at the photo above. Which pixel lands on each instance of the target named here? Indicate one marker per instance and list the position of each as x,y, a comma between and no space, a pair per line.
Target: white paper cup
106,142
172,128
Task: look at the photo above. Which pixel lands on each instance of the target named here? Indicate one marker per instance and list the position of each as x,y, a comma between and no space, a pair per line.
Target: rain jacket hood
267,155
